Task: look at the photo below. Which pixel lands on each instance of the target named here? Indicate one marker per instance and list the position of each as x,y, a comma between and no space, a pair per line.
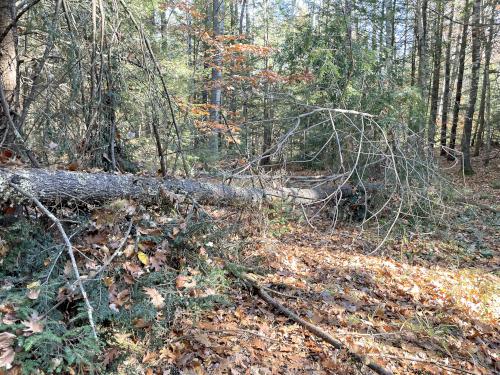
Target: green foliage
62,338
33,257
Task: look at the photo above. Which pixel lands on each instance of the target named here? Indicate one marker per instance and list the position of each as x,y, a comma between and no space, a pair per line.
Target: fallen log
59,186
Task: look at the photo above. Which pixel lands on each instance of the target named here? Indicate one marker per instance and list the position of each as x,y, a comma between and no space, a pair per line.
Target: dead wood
60,186
315,330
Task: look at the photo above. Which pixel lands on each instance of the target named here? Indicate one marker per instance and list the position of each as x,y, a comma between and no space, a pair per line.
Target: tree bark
486,81
268,126
8,63
58,186
447,79
431,130
460,78
216,94
422,45
476,61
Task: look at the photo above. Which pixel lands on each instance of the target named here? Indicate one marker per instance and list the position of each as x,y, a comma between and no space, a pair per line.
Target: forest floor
427,304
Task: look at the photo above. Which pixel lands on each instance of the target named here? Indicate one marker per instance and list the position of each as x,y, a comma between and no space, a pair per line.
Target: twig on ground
69,248
232,331
479,205
310,327
430,361
279,293
117,252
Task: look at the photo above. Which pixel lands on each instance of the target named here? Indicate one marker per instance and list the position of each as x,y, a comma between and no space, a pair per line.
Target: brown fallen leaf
33,325
7,357
6,340
150,357
158,260
183,281
110,355
203,339
156,298
134,269
258,344
140,323
129,250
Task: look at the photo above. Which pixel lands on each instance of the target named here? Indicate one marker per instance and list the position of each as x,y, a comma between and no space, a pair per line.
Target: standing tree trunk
489,128
421,28
460,77
476,61
243,8
486,81
414,50
216,94
8,64
431,131
447,78
267,135
421,20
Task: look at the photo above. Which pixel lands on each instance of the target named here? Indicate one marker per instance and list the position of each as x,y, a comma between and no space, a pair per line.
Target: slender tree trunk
489,128
159,147
476,61
216,94
267,134
421,39
381,29
447,77
486,82
189,38
436,75
248,29
421,19
460,77
206,62
393,30
8,65
242,14
414,50
405,39
389,13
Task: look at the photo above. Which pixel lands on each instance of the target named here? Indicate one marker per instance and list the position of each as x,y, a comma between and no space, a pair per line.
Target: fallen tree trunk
59,186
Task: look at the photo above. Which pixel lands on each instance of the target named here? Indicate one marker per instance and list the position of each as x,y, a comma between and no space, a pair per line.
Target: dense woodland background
171,149
118,86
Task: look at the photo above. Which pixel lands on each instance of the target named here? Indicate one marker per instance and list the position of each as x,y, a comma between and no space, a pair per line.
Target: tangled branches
391,169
